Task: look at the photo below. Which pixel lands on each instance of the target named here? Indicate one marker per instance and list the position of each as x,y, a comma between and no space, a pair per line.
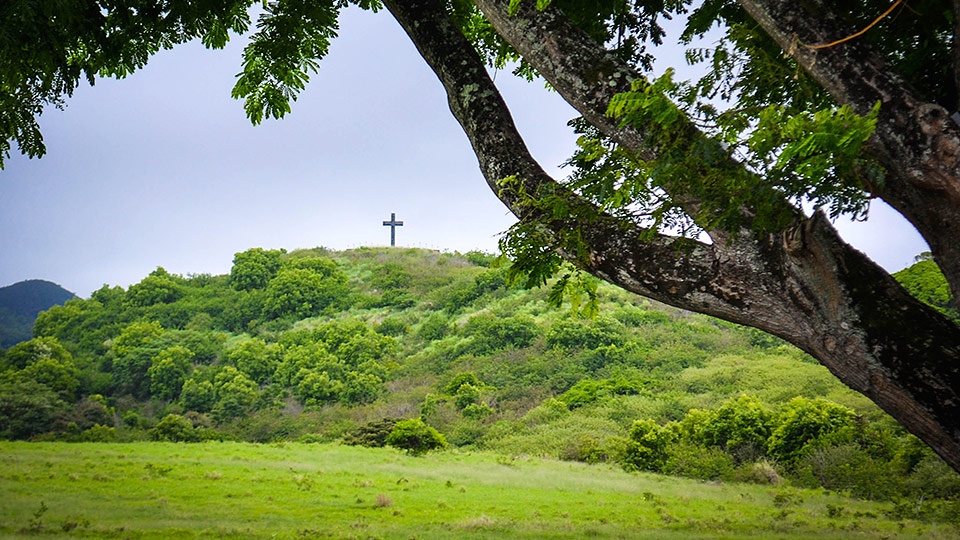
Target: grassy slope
237,490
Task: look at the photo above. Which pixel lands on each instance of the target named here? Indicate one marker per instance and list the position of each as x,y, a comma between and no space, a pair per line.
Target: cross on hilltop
393,224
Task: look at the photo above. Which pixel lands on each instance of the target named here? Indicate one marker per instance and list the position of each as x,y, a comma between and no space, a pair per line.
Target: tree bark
805,284
916,142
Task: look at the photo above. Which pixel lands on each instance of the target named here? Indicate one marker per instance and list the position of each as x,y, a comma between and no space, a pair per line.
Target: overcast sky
164,169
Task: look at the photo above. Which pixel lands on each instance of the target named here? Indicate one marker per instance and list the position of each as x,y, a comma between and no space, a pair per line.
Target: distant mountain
21,302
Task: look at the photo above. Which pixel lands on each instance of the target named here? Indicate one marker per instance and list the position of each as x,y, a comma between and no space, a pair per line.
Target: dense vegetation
423,350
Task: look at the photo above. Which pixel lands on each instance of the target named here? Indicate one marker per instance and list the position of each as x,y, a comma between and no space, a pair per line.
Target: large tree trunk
804,284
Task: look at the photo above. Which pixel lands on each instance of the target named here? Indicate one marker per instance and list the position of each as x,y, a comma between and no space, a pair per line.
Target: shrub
168,370
415,437
254,268
392,326
578,334
391,275
694,461
301,293
198,396
373,434
761,472
491,333
467,394
647,449
738,423
848,468
99,433
460,379
587,449
27,408
174,428
433,328
255,359
805,423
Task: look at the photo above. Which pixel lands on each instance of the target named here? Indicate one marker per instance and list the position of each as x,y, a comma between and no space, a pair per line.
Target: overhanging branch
805,284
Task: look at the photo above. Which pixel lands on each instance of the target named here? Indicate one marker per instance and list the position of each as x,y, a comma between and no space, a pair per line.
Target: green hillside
421,349
21,302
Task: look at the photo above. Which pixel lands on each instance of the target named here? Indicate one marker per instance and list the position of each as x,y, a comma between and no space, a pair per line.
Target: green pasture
292,490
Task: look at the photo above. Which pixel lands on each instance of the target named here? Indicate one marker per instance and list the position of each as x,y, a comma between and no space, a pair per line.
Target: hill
21,302
316,345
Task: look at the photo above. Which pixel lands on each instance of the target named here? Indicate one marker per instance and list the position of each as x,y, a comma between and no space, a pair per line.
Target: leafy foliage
503,371
415,437
42,62
925,281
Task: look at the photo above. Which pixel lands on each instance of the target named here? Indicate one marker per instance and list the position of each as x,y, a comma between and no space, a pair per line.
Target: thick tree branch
955,67
501,151
805,285
916,142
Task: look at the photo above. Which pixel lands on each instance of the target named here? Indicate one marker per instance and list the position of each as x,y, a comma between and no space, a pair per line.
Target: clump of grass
787,498
303,481
35,526
477,523
213,475
159,470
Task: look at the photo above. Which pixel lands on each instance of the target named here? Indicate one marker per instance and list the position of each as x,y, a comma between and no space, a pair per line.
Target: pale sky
164,169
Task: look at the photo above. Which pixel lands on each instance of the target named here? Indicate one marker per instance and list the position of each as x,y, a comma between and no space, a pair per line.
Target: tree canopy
713,195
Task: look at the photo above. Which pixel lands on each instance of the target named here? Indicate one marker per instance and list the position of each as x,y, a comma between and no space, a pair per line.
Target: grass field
239,490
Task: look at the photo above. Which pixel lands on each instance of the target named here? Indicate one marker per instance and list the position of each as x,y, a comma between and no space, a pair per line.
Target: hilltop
21,302
317,345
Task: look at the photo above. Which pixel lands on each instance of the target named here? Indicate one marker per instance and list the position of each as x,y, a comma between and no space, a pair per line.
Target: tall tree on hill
828,105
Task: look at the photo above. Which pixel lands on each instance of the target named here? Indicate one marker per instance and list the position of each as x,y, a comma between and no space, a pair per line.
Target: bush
491,333
174,428
392,326
587,449
301,293
578,334
805,424
739,423
692,461
99,433
647,449
373,434
761,472
433,328
848,468
27,408
477,411
415,437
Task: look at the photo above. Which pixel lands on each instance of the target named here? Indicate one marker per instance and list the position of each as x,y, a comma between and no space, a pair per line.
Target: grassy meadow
299,490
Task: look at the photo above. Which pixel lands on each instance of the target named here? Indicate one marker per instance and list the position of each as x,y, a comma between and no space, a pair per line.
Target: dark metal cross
393,224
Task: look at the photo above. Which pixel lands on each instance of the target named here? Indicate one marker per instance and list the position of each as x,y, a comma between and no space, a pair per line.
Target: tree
254,268
174,428
255,359
168,371
160,287
673,197
301,292
236,394
803,423
647,447
134,350
415,437
27,408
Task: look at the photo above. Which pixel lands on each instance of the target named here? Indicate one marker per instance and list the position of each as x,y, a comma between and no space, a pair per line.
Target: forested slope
316,345
21,302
